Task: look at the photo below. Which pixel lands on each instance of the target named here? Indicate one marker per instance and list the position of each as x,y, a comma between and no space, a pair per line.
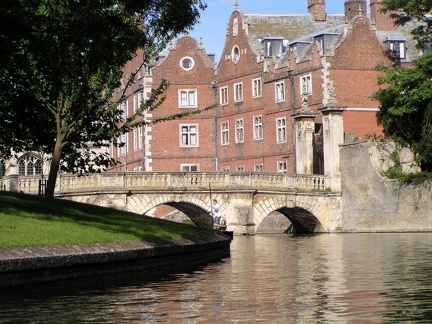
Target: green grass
27,220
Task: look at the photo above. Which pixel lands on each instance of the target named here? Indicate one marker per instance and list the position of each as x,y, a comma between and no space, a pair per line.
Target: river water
328,278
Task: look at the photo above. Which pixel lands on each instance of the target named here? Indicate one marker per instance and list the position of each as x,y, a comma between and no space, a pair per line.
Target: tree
406,108
412,11
61,61
406,94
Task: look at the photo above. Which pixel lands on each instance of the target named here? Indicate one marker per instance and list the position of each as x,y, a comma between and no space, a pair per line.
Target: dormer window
326,40
273,46
396,48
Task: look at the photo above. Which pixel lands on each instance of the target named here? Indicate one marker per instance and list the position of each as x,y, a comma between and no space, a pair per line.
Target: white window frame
188,138
224,95
238,91
281,130
240,168
256,88
187,167
140,137
306,85
226,169
239,134
258,133
279,91
282,166
187,98
225,133
135,138
259,167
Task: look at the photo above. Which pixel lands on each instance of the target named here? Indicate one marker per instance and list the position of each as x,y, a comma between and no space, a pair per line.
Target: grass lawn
27,220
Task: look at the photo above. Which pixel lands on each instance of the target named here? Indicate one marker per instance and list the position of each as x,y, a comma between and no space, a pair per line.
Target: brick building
288,88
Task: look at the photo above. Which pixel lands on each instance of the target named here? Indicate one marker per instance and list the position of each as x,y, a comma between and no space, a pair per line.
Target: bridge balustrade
178,181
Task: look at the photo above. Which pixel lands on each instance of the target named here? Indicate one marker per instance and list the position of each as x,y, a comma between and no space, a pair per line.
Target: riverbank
29,265
43,240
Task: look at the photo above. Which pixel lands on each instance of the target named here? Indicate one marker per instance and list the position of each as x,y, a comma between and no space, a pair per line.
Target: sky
214,19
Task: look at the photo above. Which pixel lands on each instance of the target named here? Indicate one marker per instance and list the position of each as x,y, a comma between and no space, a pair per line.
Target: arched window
29,165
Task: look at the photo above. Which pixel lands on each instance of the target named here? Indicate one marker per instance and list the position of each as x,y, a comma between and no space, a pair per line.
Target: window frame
306,84
256,87
281,129
225,132
189,134
279,88
238,91
223,95
187,98
189,166
258,127
239,134
281,166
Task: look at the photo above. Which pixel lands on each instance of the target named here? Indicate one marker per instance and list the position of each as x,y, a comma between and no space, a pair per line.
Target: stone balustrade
176,181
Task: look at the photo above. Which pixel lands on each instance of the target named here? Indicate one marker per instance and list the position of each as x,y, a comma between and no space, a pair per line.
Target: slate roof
290,27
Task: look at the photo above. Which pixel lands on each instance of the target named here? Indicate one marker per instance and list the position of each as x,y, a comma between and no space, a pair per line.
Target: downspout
291,78
214,86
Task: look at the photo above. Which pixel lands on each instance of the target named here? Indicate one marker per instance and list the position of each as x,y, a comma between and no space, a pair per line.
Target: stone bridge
247,199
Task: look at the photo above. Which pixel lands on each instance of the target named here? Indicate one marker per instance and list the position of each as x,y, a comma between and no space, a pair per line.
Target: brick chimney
317,9
382,20
354,8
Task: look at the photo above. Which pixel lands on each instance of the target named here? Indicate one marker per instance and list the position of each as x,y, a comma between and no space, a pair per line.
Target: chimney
354,8
382,21
317,9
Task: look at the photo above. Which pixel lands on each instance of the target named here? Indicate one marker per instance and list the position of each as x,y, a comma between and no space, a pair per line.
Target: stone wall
372,203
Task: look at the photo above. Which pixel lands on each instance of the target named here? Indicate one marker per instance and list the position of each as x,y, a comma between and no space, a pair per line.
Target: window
280,91
396,48
124,108
259,167
189,167
240,168
223,95
134,103
306,85
225,133
235,27
135,139
258,127
29,165
187,63
239,135
256,87
238,91
226,169
187,98
282,166
124,140
140,137
281,135
235,54
189,135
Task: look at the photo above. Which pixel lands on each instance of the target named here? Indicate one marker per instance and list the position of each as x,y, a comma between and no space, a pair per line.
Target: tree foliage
406,94
406,108
60,63
412,11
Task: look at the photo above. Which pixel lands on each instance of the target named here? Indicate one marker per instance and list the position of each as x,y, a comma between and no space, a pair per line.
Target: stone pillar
304,129
333,136
13,182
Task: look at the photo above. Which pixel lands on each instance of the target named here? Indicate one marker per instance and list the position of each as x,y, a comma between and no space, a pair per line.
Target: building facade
288,88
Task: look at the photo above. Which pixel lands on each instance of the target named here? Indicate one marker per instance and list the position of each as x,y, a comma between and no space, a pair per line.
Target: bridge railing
178,181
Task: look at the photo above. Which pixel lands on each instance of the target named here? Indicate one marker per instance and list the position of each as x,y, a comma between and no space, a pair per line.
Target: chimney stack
381,20
317,9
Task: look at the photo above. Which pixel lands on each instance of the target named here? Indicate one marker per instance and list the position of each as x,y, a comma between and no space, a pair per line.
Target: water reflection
341,278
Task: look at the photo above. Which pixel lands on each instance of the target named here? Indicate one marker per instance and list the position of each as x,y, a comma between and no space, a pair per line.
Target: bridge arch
305,212
194,205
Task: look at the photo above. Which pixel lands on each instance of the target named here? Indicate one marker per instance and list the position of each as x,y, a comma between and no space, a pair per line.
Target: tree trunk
54,167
